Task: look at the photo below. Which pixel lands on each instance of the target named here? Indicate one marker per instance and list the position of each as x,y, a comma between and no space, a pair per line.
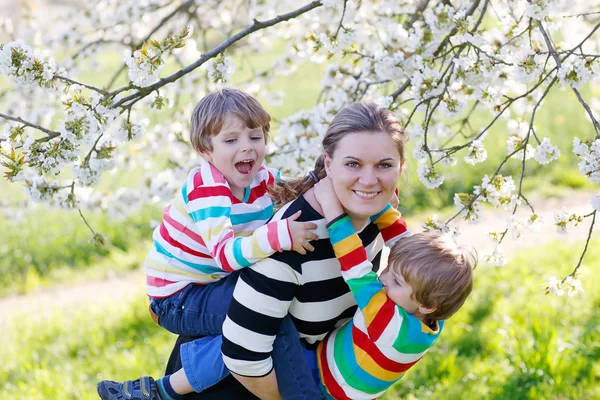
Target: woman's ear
327,163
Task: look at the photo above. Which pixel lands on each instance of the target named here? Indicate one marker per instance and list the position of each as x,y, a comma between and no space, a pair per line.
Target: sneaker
143,388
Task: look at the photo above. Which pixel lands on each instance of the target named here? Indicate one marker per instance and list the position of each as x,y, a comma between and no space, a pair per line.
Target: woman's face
365,170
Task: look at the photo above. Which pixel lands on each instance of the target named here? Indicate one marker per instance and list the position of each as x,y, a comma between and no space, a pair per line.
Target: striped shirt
362,359
206,232
308,287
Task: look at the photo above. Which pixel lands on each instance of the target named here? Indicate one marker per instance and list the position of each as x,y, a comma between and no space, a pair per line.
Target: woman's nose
368,177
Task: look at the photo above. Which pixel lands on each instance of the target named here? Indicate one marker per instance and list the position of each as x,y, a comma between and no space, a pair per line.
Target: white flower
554,286
476,154
220,69
562,219
595,199
546,152
433,224
495,258
589,155
429,177
574,286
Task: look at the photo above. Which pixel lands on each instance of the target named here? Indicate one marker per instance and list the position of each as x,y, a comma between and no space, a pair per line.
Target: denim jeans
200,311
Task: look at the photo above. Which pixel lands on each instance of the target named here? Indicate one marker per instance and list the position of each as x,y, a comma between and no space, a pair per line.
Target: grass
50,247
509,341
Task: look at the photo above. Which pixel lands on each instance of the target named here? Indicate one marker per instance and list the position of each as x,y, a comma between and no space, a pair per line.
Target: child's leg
196,310
211,370
294,376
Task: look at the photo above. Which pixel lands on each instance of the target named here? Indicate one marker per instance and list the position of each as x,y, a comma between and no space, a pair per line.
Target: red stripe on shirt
331,384
396,229
217,175
209,191
164,233
157,282
219,252
186,231
361,340
198,179
382,319
354,258
273,237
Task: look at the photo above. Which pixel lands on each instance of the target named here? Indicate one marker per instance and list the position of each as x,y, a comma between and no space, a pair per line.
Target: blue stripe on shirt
211,212
205,269
238,219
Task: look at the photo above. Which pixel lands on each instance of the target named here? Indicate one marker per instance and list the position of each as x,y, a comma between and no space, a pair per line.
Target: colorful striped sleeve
390,224
209,206
377,310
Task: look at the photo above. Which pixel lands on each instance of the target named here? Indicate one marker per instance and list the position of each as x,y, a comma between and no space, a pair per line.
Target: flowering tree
435,63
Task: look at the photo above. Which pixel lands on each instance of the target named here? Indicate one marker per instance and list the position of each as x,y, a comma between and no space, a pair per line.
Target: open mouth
244,166
366,195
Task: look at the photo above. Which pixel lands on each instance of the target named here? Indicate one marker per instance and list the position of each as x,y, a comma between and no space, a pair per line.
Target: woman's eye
352,164
385,165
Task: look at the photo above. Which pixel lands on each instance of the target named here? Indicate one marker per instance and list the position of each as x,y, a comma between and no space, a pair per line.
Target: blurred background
72,313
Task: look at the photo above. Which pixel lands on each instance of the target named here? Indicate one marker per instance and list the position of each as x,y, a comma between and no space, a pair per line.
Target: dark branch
257,25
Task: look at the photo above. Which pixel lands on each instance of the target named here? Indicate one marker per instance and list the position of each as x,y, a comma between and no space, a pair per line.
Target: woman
363,156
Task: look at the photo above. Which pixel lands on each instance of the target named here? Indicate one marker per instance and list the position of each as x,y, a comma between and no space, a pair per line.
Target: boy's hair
439,271
208,116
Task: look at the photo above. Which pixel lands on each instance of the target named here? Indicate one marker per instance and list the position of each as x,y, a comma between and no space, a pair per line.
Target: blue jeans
200,311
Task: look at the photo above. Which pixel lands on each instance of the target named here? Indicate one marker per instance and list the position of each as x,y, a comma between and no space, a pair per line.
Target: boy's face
401,292
237,152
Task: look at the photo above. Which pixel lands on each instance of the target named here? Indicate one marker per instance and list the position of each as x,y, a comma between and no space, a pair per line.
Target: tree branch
257,25
559,64
51,134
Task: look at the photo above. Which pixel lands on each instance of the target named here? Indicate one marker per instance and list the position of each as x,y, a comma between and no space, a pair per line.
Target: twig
51,134
587,242
559,64
72,82
341,20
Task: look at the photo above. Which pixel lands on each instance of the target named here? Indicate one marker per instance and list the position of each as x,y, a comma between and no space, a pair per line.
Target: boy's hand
301,235
327,198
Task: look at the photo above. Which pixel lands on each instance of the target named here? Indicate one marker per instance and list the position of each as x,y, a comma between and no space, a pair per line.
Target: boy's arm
209,207
390,224
377,310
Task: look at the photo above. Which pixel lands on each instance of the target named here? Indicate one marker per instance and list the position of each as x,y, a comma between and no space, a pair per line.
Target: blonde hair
357,117
210,112
439,271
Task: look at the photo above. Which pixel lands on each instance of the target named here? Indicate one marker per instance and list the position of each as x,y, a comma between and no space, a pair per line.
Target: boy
217,222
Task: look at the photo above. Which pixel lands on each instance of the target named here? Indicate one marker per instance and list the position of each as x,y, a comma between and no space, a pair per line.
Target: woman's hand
301,234
327,199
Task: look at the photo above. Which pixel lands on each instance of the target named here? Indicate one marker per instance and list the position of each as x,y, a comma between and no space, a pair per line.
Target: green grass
51,247
510,341
64,355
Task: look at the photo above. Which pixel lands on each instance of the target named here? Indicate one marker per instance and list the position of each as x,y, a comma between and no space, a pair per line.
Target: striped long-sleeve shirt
206,232
362,359
308,287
